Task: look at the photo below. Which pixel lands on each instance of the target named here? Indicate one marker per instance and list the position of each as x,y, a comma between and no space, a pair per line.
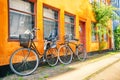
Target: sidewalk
110,73
81,73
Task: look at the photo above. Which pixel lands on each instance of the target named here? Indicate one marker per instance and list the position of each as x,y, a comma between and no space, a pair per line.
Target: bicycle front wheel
65,54
52,56
81,53
24,61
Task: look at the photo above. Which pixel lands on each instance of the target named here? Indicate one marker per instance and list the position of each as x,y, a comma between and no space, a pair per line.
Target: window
21,14
113,1
94,36
98,1
105,2
118,3
50,19
91,1
105,37
69,26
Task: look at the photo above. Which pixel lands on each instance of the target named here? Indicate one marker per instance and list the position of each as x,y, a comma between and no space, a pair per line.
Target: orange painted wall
80,8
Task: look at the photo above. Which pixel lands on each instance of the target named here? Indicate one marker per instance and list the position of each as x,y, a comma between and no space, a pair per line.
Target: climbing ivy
103,13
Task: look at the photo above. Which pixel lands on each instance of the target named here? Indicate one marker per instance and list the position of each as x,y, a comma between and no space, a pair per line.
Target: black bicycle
65,52
25,60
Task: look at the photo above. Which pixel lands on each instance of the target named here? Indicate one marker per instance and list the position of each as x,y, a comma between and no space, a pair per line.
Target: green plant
103,13
117,37
102,45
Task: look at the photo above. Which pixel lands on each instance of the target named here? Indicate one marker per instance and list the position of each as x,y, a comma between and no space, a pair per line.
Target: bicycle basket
24,40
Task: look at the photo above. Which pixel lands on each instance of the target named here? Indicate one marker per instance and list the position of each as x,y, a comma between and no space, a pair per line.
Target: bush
117,38
102,45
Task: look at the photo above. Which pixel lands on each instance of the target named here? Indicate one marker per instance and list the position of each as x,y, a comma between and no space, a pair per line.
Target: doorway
82,31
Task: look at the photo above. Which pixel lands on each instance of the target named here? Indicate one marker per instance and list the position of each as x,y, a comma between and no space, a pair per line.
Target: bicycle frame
46,46
33,47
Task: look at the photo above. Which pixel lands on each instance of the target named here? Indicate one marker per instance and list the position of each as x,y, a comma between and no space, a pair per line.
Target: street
99,67
112,71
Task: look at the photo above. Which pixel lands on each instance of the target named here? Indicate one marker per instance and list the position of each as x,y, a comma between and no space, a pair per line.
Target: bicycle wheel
52,56
24,61
81,53
65,54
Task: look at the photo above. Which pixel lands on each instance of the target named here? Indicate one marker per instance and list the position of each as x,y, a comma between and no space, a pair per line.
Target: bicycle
65,52
24,61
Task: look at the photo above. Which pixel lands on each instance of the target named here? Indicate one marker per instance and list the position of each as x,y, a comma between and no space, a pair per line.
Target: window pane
22,5
105,34
49,26
69,19
19,20
19,23
105,37
94,38
69,30
103,1
91,1
50,23
49,13
69,26
98,0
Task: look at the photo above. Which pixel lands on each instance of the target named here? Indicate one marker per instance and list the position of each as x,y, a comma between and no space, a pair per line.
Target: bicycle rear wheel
52,56
65,54
24,61
81,53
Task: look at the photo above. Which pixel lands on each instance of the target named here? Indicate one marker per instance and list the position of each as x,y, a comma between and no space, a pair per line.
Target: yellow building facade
46,13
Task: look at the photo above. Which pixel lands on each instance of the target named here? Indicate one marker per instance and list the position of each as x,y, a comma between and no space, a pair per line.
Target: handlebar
31,31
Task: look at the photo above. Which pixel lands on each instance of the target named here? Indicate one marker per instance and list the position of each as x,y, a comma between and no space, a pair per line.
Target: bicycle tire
52,56
65,54
21,63
81,53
